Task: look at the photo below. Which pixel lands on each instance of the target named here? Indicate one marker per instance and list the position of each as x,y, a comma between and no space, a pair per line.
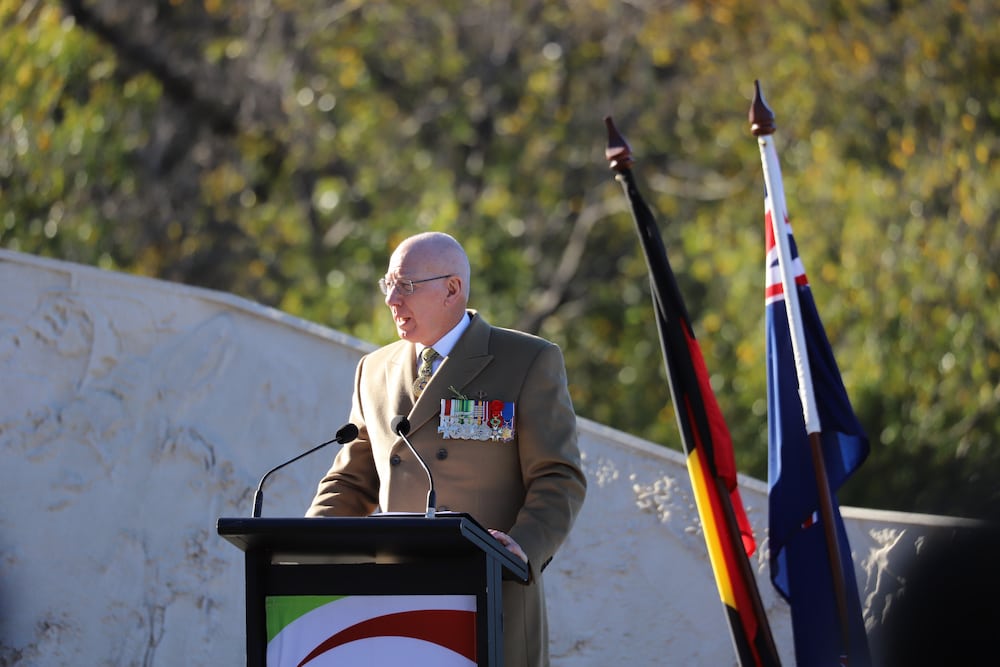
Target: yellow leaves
702,269
818,42
982,152
542,81
821,145
861,53
349,66
494,201
24,77
905,306
905,149
907,146
174,231
292,302
348,77
661,54
711,322
221,183
257,268
970,211
510,124
102,69
748,352
722,14
49,17
701,51
931,50
830,273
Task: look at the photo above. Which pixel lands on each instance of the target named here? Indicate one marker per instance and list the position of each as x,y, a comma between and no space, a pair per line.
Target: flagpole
762,126
674,329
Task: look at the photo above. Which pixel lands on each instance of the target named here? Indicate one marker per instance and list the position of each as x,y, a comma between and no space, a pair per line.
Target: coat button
442,454
394,460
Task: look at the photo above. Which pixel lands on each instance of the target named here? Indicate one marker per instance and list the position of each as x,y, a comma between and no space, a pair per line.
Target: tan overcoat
531,487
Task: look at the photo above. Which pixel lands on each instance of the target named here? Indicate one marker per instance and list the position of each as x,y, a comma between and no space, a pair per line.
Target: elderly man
519,475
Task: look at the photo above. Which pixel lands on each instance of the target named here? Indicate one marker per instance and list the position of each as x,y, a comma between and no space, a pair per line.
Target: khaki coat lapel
400,373
467,360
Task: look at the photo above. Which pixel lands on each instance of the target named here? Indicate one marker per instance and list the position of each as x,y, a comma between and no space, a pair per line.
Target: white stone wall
134,413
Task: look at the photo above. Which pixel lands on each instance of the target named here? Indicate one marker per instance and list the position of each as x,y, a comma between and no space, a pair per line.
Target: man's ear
454,287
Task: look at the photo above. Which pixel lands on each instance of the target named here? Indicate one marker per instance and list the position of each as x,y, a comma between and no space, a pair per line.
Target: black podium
439,579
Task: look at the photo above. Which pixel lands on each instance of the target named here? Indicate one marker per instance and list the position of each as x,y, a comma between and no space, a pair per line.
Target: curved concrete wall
135,412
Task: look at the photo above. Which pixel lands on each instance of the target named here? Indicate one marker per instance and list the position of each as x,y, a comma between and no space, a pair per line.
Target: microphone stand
401,426
346,433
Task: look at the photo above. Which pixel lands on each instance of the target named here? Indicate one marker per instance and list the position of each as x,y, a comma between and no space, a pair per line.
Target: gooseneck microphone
345,434
401,426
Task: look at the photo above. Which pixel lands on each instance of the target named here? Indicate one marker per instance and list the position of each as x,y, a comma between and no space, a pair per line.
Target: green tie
427,358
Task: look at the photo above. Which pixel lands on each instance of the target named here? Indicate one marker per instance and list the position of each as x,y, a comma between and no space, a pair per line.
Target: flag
704,434
799,556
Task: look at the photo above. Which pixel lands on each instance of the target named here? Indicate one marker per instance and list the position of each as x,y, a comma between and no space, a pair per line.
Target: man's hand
510,544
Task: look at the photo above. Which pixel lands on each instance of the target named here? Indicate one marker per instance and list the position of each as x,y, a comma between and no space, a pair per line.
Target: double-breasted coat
530,487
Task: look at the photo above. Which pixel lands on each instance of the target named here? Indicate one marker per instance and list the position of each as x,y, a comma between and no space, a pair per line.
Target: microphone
401,426
345,434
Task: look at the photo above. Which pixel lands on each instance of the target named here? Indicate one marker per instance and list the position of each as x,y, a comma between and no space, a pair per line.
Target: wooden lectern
426,589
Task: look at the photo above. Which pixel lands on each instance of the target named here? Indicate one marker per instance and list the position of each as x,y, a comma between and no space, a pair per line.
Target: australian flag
799,556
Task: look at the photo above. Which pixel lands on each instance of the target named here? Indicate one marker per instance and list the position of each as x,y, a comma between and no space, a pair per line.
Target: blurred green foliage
279,150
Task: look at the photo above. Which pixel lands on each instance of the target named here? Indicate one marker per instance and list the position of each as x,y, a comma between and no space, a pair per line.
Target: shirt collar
446,343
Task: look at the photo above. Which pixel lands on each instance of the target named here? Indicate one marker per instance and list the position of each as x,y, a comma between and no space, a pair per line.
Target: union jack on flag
773,289
799,562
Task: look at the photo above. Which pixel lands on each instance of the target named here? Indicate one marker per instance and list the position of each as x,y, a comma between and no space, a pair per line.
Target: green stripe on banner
280,610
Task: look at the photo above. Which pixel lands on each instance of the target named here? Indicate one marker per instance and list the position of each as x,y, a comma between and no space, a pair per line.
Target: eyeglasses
405,286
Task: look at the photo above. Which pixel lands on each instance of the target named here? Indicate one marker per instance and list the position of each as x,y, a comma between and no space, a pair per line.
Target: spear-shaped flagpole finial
762,124
761,116
618,153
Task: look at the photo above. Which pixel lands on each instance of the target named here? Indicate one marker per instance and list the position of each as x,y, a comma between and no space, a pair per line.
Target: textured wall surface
134,413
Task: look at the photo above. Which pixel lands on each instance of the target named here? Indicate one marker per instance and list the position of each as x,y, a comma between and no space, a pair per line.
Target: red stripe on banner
451,628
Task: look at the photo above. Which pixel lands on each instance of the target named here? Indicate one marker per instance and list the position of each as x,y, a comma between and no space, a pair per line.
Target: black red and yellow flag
705,436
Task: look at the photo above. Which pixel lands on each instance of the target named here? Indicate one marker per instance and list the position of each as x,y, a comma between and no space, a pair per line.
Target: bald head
436,253
439,268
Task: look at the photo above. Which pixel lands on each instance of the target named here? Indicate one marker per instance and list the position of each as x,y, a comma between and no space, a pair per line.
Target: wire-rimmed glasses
404,285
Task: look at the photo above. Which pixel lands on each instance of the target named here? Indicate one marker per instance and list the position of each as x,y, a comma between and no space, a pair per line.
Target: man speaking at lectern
518,473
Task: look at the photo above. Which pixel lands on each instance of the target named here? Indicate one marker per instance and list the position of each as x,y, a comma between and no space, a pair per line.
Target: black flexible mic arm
401,426
345,434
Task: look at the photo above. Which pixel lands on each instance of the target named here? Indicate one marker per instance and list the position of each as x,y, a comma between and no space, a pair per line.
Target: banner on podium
411,630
